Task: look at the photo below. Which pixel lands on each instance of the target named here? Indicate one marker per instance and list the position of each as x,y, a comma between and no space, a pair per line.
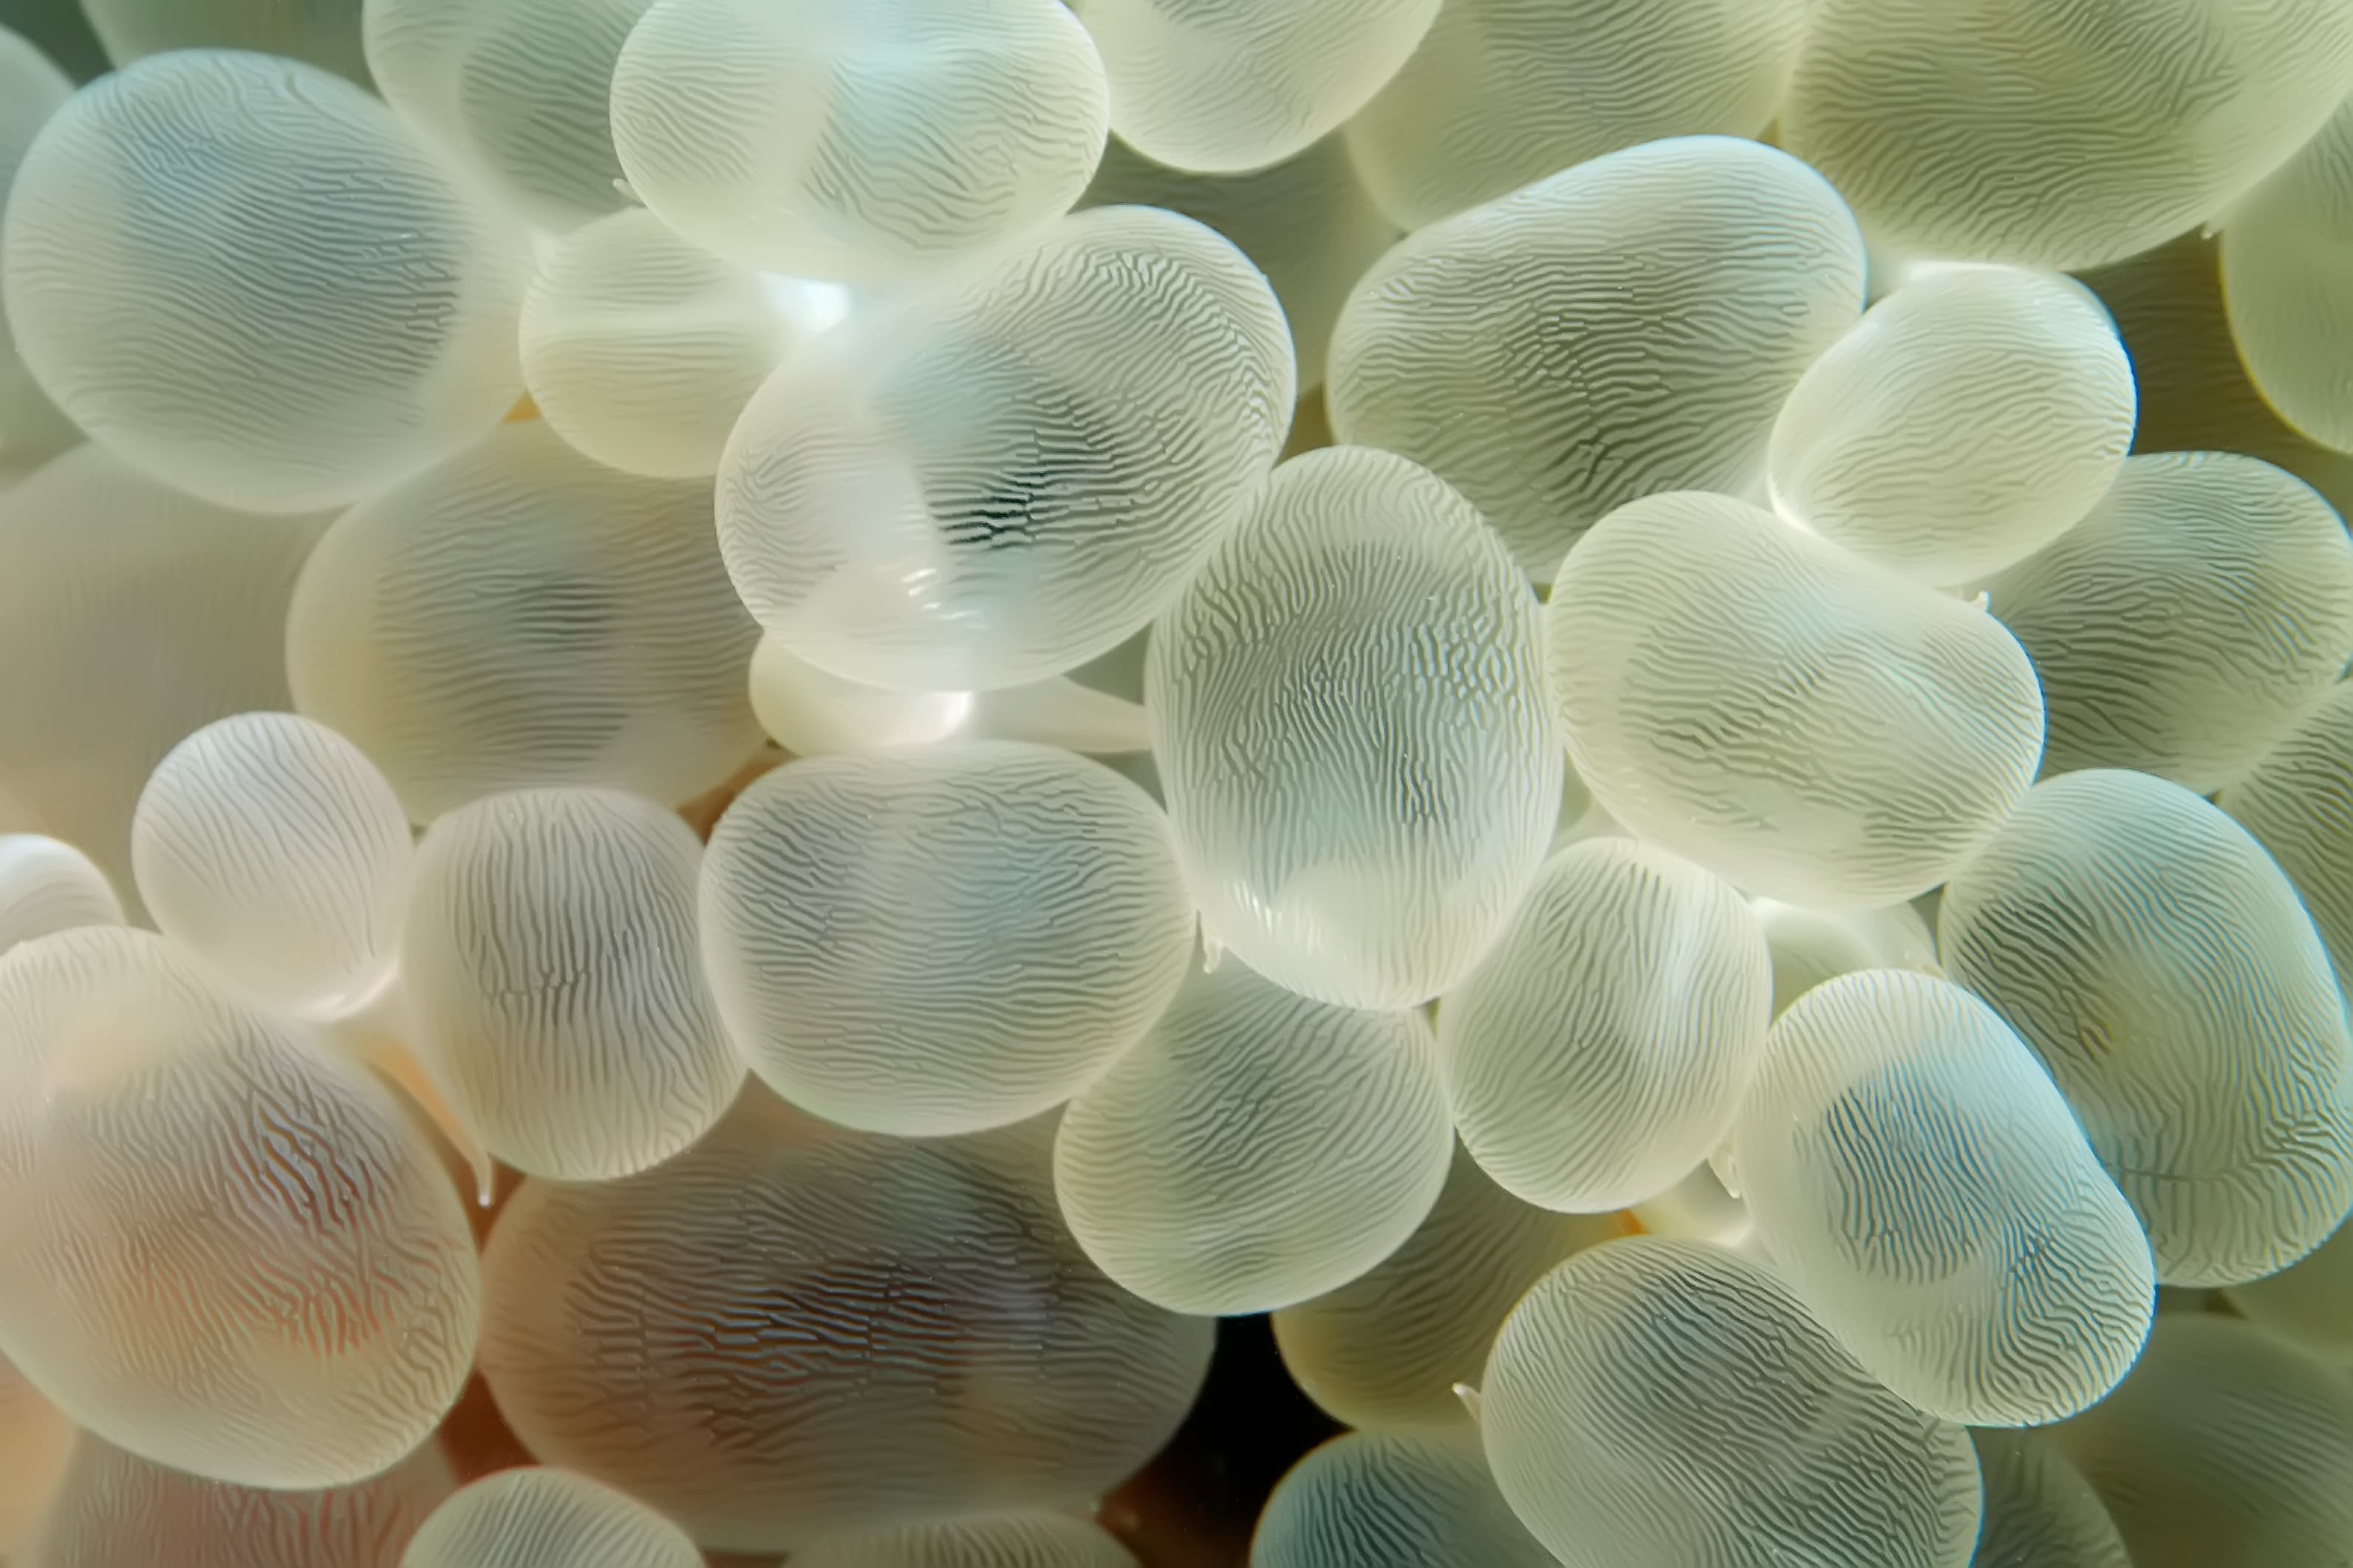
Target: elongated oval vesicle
2160,966
1373,1498
2189,622
2040,1512
932,941
1921,1183
1013,470
2284,280
1601,1047
1389,1348
1628,326
1795,719
273,848
114,1508
2224,1449
46,886
1256,1149
1969,419
838,138
311,310
1503,92
1809,946
642,349
1657,1404
325,33
1347,709
554,972
2096,145
542,1518
520,616
31,89
792,1331
2298,803
228,1249
1032,1540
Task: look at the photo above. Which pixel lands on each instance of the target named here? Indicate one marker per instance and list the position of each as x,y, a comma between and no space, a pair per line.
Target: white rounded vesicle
46,886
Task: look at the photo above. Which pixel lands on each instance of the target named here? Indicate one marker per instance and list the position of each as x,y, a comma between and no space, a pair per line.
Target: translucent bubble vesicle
547,1518
1392,1496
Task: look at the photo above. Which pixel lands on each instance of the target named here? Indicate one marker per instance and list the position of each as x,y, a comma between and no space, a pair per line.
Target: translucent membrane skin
323,33
792,1331
1382,1499
1256,1149
2298,803
232,1252
1969,420
1306,222
2224,1449
838,138
940,940
2284,280
2189,622
1032,1540
1599,1050
2160,966
1387,1349
517,93
1921,1184
312,309
35,1441
131,615
2040,1512
1658,1403
554,972
1349,712
2091,151
1503,92
1809,946
641,349
46,886
114,1508
31,89
1793,718
522,616
1628,326
547,1518
1225,88
1015,469
273,848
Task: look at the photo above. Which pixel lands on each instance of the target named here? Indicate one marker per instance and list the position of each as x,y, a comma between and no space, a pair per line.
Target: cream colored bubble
547,1518
31,89
1626,327
2298,803
1791,717
324,33
1392,1496
1032,1540
2040,1512
1809,946
1348,713
45,886
809,712
230,1250
1013,471
312,309
2284,281
2162,969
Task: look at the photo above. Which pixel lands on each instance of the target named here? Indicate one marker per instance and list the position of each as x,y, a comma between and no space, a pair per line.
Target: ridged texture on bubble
522,616
1306,222
131,615
2284,278
1013,470
792,1331
1973,415
2159,964
114,1509
1256,1149
35,1442
939,940
642,349
239,273
1503,92
46,886
1921,1183
2308,1303
516,93
1601,1047
323,33
838,138
1349,711
2224,1449
1224,86
1809,946
1793,718
2040,1512
273,848
2058,133
1387,1349
2298,803
555,976
1031,1540
547,1518
1628,326
1657,1404
230,1250
1392,1500
31,89
2200,611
